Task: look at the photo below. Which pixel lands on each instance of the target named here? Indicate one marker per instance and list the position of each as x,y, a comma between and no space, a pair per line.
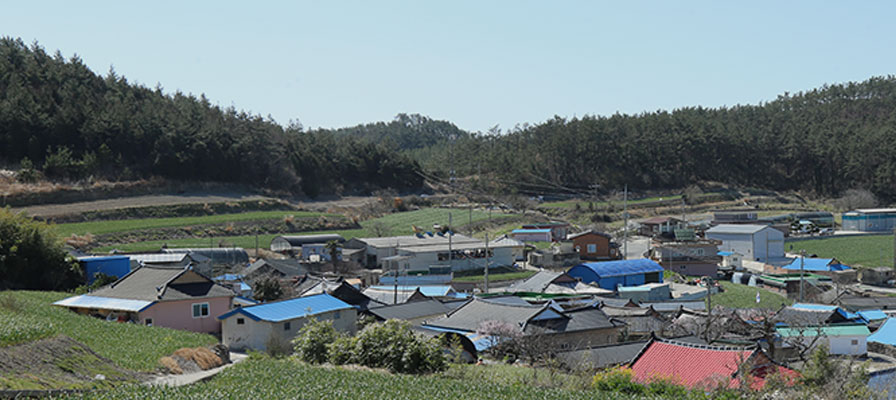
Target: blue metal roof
816,264
228,277
618,268
872,315
481,342
725,253
531,231
104,303
824,307
103,258
886,334
290,309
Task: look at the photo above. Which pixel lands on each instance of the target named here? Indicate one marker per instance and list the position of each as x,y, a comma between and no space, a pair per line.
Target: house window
240,321
592,248
287,326
855,342
700,252
148,321
336,315
200,310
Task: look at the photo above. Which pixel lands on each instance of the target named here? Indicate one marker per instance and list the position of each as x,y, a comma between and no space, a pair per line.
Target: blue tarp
886,334
816,264
291,309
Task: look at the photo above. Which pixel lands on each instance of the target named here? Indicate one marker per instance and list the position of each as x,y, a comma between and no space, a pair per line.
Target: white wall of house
764,244
853,345
251,334
420,260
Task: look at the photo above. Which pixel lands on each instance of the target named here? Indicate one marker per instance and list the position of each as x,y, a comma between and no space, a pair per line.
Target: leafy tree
267,289
32,257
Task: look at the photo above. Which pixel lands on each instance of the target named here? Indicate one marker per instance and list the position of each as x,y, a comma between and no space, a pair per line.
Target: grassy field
263,378
101,227
391,225
742,296
26,316
866,251
507,276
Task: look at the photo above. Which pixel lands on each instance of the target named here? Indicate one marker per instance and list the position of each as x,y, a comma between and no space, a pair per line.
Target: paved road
187,379
637,246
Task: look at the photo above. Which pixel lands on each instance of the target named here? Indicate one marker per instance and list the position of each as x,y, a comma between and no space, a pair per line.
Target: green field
742,296
114,226
264,378
507,276
864,251
26,316
392,225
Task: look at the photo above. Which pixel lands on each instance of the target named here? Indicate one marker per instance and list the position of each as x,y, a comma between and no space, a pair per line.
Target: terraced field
102,227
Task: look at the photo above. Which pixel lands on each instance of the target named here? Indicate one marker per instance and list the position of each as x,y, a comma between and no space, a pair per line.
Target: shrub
394,345
311,342
617,380
341,350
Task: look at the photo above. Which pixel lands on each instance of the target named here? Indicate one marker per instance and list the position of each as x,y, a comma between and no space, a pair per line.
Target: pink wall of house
179,314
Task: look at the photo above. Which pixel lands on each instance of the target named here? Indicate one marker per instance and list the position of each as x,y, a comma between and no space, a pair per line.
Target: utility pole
625,228
486,263
894,248
450,251
802,265
470,223
256,243
395,290
708,281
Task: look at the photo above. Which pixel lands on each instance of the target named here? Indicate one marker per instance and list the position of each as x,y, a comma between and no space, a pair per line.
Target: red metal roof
702,366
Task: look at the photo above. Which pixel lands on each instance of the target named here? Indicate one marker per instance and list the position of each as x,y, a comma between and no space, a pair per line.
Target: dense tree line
60,118
823,141
32,257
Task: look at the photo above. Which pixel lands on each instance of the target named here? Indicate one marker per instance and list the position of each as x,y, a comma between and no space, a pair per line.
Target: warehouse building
870,220
755,242
611,274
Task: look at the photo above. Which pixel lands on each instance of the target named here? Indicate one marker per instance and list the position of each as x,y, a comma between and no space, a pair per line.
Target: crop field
507,276
390,225
742,296
26,316
114,226
264,378
865,251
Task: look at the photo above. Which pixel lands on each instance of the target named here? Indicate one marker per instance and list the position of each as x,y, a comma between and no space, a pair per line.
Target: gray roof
413,240
536,283
506,241
154,283
218,255
582,319
737,228
388,296
856,303
284,268
471,315
575,235
807,317
614,302
299,240
670,306
599,357
159,258
412,310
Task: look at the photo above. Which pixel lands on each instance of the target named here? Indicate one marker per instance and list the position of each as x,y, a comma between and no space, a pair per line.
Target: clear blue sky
476,63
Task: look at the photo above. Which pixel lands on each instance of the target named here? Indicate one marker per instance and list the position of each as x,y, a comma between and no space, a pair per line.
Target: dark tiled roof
602,356
412,310
536,283
804,317
471,315
856,303
581,320
281,268
153,283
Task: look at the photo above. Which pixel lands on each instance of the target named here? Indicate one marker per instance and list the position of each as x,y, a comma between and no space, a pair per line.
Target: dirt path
187,379
48,210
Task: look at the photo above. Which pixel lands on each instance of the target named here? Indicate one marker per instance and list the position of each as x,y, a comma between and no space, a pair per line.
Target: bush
311,342
394,345
341,351
32,257
617,380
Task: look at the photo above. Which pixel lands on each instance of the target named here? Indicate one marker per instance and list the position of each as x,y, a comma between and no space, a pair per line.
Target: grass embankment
389,225
602,204
27,316
864,251
742,296
114,226
265,378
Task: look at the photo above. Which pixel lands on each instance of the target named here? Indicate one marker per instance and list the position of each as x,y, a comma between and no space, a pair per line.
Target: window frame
203,307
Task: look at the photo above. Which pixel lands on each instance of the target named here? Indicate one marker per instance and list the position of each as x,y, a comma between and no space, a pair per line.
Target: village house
595,246
177,298
611,274
276,269
696,257
660,225
305,246
567,330
533,235
555,282
394,295
601,356
849,339
559,230
821,266
254,327
338,288
701,366
415,312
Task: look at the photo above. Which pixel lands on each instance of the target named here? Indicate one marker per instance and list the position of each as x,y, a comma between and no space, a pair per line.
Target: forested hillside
66,121
823,141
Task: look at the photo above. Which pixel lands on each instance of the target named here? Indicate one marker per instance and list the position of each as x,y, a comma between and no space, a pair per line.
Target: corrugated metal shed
290,309
104,303
737,228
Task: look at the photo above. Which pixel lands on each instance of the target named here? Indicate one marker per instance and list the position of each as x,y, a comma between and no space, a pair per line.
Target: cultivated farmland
865,251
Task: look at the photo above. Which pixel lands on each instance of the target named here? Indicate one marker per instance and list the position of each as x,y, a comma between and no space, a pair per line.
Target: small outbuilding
294,244
254,327
595,246
612,274
533,235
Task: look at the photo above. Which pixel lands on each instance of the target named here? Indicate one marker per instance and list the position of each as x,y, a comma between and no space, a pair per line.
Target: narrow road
188,379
